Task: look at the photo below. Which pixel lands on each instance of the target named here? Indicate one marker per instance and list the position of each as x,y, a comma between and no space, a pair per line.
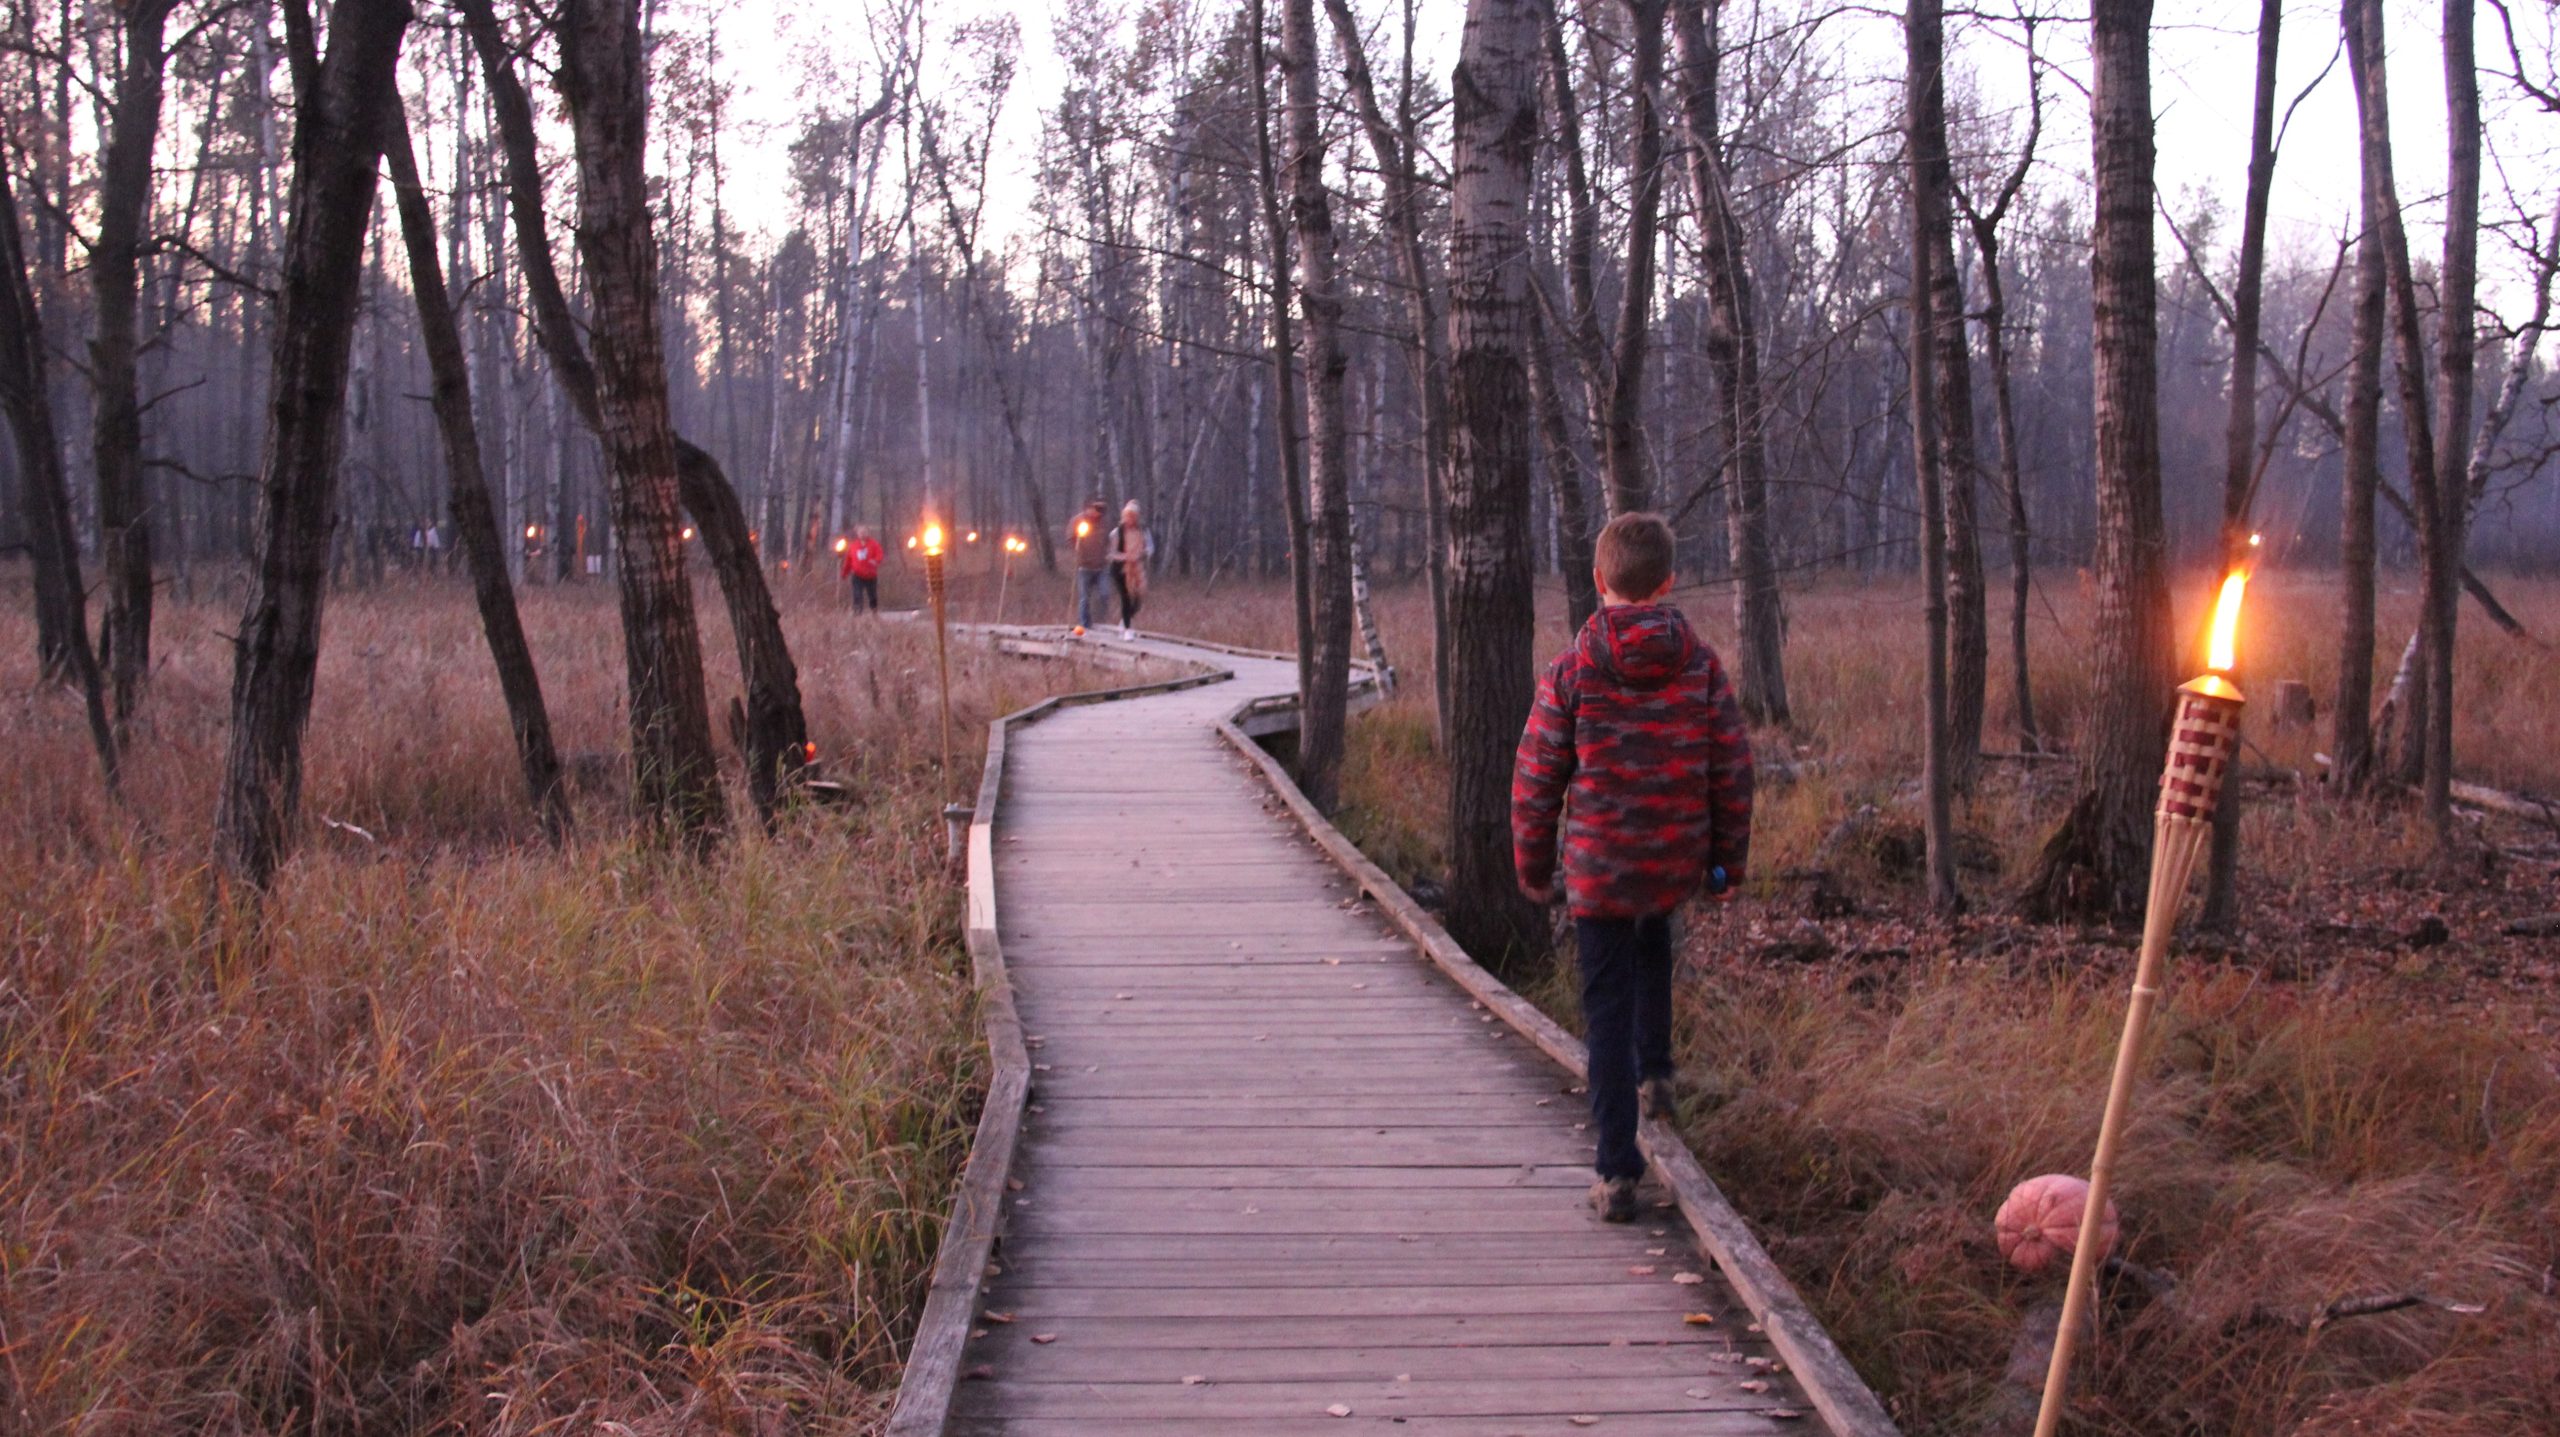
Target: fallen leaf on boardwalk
1655,1251
1194,1380
1339,1409
1640,1272
976,1332
1000,1319
1013,1185
1700,1393
1700,1319
980,1373
1542,1102
1755,1327
1356,987
1585,1419
1333,962
1404,1377
1044,1338
1755,1386
1762,1364
1783,1414
1122,997
1687,1279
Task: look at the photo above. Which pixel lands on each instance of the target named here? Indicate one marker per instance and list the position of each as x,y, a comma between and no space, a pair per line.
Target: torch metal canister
2202,743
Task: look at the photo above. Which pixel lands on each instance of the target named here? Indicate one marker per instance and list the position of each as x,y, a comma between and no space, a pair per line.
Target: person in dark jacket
1638,751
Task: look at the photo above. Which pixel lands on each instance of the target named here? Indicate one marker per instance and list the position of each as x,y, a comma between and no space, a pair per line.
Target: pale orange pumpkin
2039,1224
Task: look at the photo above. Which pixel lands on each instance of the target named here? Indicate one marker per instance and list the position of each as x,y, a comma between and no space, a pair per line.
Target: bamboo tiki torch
2202,743
936,590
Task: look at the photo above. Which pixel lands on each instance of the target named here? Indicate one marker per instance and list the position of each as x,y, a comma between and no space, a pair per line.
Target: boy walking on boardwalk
1637,746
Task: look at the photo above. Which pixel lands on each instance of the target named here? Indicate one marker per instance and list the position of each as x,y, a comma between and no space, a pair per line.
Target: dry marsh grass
462,1133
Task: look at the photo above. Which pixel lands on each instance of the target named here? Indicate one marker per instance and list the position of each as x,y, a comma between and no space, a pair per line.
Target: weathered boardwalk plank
1276,1172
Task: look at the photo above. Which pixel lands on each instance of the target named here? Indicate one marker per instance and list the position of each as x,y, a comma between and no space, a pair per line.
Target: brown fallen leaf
1700,1393
1640,1272
1655,1251
1783,1414
1687,1279
976,1332
1585,1419
979,1373
1700,1319
1755,1386
1339,1409
1194,1380
1001,1319
1013,1185
1044,1338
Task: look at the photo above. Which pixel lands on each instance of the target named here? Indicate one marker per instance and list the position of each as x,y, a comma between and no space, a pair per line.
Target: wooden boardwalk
1276,1171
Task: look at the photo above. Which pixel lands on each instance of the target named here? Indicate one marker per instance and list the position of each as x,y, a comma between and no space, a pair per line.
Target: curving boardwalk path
1277,1173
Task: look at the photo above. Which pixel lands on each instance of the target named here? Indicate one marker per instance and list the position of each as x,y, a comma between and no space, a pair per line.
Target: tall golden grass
457,1132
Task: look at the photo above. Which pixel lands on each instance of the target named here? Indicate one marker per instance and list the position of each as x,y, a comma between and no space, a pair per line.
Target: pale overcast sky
779,54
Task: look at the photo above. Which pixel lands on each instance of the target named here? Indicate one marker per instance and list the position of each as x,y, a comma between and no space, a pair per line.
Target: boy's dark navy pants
1626,1022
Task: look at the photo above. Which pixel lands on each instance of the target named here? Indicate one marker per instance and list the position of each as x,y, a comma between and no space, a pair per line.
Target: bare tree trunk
2004,418
2100,858
602,74
776,727
342,113
2361,467
1733,355
1428,345
2240,424
1293,481
115,264
1494,130
1622,437
43,496
2457,354
1925,143
474,516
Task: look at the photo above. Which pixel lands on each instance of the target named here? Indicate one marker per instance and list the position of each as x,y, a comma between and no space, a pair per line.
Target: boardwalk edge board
932,1375
1838,1394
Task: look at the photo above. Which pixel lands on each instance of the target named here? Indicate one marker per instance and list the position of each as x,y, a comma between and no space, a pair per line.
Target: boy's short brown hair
1633,555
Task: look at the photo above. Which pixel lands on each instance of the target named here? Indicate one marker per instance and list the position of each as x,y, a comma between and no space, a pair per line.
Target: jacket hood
1643,646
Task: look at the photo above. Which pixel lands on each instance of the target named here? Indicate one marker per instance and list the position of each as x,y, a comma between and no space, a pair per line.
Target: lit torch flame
842,545
933,538
1083,528
2222,648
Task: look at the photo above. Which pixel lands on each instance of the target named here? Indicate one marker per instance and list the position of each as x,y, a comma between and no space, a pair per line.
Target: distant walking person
862,569
1131,547
1637,747
1092,541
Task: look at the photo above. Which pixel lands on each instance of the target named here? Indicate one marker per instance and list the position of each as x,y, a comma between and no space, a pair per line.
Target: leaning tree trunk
1320,304
2456,355
341,118
1564,481
115,265
474,516
1733,355
603,70
2351,714
1293,480
2100,857
44,498
2004,429
1925,143
1494,136
776,728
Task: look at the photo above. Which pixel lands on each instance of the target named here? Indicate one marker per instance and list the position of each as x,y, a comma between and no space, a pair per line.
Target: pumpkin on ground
2039,1224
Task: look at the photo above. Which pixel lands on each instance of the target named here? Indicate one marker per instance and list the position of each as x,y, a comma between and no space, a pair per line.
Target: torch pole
2201,746
937,590
1004,584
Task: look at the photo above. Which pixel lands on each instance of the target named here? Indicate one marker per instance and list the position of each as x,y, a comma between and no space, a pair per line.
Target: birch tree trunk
342,113
474,516
2457,354
676,780
2100,858
1494,128
115,266
1733,357
1320,303
1925,144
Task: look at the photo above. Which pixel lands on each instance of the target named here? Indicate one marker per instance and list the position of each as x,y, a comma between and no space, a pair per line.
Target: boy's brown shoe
1614,1199
1653,1097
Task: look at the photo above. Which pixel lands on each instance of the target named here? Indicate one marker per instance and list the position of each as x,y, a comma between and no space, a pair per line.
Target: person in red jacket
862,567
1637,749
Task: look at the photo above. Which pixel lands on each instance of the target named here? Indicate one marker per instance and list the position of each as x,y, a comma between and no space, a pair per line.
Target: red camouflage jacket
1637,745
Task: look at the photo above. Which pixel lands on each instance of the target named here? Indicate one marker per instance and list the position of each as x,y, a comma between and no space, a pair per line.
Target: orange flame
2222,649
1083,528
933,538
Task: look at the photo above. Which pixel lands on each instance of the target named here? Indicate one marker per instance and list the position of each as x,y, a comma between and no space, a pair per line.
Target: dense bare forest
615,321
